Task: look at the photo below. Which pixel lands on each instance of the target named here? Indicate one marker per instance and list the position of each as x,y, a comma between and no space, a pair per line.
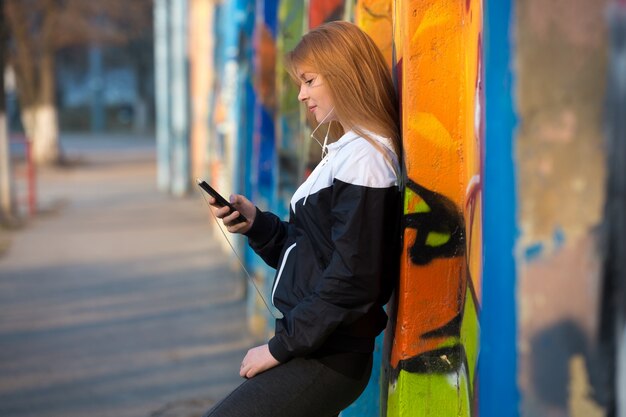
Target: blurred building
511,294
106,88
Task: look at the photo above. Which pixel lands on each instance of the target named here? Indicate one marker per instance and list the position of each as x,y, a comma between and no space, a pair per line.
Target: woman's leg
298,388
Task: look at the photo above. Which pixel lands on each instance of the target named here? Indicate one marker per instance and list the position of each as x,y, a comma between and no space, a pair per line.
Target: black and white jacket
337,257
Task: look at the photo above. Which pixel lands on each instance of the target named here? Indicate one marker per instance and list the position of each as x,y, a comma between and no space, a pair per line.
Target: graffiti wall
263,137
553,341
290,122
438,51
375,17
433,344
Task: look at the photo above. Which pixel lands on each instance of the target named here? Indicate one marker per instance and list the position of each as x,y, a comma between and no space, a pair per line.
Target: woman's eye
309,82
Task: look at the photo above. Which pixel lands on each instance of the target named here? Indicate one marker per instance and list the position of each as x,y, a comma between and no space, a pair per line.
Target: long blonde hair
357,76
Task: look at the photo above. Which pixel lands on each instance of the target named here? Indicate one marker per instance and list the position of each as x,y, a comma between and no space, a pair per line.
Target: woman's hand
243,206
257,360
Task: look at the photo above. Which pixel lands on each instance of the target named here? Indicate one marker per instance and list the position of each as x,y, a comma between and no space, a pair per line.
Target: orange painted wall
439,70
375,18
438,65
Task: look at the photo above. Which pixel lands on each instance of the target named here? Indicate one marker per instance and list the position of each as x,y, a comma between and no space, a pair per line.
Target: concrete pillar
180,157
162,92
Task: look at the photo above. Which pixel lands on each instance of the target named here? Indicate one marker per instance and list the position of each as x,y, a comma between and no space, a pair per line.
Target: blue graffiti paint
244,101
498,393
264,129
558,238
267,153
533,252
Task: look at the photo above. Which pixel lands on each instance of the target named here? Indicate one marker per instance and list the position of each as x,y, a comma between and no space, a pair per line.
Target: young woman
337,257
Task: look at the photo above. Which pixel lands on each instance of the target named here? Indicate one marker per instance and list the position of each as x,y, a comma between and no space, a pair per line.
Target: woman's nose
302,96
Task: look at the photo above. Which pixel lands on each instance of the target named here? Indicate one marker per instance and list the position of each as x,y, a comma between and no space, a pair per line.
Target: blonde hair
357,76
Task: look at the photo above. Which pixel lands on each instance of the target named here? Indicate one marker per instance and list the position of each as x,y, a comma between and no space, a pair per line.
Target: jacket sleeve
351,283
267,236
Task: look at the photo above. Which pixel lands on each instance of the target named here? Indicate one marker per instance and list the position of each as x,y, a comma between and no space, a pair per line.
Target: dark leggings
298,388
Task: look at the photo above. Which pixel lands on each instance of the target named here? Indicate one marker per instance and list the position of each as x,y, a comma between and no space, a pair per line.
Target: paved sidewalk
117,299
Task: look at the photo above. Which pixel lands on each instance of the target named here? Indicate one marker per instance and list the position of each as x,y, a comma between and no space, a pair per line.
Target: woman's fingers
231,219
224,214
243,371
248,371
257,360
244,206
232,223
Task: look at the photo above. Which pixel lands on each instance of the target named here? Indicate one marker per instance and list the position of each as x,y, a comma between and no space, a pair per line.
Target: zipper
280,271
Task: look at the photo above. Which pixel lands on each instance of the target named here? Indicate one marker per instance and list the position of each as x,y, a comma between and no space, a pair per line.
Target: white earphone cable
279,316
323,146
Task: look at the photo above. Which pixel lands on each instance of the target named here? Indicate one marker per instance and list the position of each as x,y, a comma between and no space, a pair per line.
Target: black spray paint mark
442,219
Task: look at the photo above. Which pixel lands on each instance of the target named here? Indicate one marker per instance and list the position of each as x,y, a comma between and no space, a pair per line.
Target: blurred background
119,295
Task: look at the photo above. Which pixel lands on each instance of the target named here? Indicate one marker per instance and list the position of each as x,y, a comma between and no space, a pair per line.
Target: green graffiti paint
435,239
429,395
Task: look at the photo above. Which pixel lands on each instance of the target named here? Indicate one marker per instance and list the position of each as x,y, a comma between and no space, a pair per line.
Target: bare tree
37,30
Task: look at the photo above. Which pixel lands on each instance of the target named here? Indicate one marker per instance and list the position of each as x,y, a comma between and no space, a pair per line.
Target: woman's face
314,93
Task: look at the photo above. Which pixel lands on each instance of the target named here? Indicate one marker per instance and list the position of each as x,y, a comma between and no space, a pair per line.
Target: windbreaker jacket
336,259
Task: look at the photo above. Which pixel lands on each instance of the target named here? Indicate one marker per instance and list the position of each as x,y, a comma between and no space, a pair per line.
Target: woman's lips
312,109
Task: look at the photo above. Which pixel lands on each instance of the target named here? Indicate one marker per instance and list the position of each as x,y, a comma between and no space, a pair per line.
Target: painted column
498,344
321,11
290,121
201,73
376,19
438,45
225,93
232,136
264,159
264,70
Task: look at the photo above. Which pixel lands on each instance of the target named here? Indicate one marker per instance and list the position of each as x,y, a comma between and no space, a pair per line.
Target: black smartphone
219,200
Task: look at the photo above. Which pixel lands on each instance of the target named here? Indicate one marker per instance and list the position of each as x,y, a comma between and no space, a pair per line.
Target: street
117,299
